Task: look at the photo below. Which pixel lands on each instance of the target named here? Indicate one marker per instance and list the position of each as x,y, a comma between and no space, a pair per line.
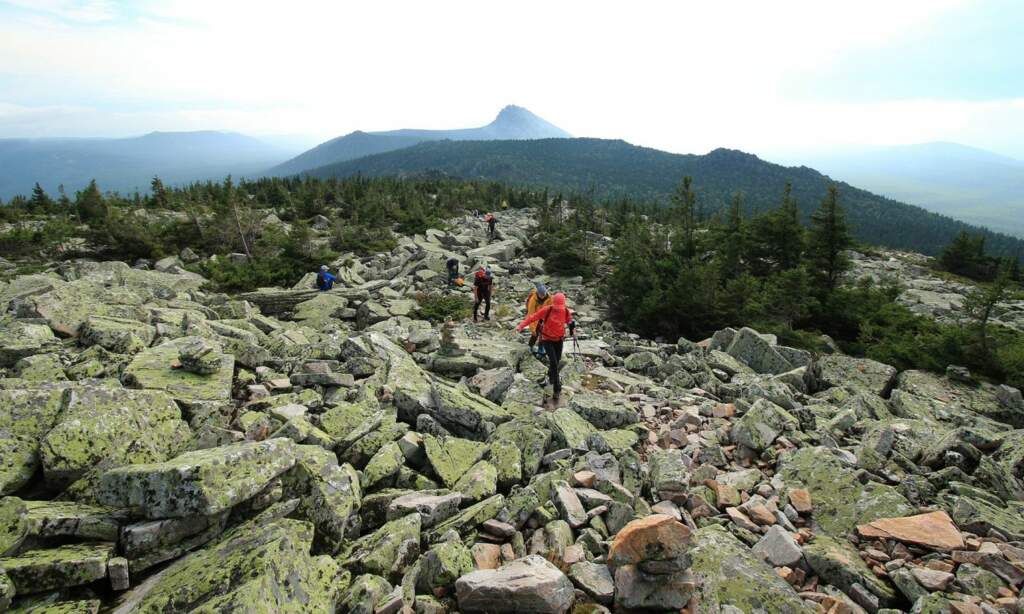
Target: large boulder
109,427
159,368
758,428
263,566
387,551
757,352
203,482
857,373
36,571
602,411
530,584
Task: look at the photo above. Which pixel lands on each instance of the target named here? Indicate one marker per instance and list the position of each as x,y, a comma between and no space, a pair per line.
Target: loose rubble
168,449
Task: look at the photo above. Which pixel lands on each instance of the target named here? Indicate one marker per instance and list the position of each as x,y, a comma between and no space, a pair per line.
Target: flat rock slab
154,368
203,482
531,584
36,571
933,530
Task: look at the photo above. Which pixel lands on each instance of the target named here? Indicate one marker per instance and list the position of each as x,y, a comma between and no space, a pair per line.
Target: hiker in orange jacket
553,320
538,297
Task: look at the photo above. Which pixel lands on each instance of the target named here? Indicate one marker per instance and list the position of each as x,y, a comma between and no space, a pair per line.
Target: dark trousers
490,230
554,352
484,298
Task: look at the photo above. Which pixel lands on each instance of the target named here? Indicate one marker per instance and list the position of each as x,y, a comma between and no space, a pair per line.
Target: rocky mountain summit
168,449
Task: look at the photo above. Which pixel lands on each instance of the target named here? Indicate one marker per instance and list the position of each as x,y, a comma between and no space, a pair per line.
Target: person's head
488,272
323,268
542,290
558,300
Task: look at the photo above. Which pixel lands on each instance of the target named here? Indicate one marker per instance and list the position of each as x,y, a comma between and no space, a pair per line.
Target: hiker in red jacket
553,318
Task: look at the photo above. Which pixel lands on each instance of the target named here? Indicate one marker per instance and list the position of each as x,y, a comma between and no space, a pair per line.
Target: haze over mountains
971,184
511,123
129,164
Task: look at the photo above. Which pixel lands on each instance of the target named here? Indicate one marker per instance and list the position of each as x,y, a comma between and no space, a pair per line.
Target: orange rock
584,478
963,607
486,556
933,530
760,514
658,537
800,499
725,495
724,410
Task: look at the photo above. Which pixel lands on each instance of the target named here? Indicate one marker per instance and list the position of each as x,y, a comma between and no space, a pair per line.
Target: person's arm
535,316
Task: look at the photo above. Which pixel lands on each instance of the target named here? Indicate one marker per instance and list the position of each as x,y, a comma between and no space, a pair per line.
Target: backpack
321,282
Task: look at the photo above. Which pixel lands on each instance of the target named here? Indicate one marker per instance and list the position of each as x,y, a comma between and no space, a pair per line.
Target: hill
972,184
511,123
129,164
614,168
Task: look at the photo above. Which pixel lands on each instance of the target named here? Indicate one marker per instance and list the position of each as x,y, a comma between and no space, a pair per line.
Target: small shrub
439,307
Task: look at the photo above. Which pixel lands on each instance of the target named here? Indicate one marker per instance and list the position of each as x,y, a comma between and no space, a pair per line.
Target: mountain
129,164
512,123
614,168
972,184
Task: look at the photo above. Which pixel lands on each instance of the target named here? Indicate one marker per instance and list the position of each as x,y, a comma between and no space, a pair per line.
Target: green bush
362,239
439,307
24,240
565,252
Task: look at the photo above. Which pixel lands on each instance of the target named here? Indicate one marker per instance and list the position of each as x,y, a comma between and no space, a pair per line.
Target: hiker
324,280
553,318
538,297
491,221
453,271
482,284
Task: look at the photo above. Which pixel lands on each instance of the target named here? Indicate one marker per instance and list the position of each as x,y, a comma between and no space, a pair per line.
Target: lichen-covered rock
841,501
36,571
40,369
19,460
442,565
118,335
568,428
261,566
863,374
636,591
387,551
110,427
530,584
479,482
728,574
839,564
451,457
203,482
758,428
49,519
155,368
468,519
7,592
602,411
756,352
201,357
14,526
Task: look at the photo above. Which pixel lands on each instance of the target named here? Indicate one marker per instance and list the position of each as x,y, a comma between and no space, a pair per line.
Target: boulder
757,353
203,482
602,411
158,368
431,508
36,571
387,551
778,547
858,373
451,457
593,579
530,584
758,428
658,537
643,592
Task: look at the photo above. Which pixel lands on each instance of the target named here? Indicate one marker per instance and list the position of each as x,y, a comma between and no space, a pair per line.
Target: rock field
167,449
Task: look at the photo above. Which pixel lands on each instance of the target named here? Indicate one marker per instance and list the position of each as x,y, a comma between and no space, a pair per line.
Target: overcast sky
680,76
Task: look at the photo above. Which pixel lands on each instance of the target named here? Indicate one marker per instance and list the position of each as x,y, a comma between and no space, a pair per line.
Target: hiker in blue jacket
324,280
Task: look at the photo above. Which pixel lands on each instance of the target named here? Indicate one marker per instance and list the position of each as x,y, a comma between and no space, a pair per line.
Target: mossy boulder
110,427
603,411
451,457
19,460
36,571
384,465
262,566
568,428
530,438
442,565
758,428
468,519
730,574
157,368
838,563
479,482
14,525
841,501
203,482
118,335
40,369
387,551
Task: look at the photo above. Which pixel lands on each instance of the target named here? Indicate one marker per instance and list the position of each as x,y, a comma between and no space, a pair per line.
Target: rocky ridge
166,449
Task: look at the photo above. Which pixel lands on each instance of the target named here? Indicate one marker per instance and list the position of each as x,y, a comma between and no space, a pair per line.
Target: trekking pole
576,346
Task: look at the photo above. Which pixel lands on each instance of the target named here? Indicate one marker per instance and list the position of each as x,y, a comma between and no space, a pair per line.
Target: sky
681,76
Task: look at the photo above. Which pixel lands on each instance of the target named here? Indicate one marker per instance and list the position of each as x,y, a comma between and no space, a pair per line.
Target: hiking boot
487,318
474,318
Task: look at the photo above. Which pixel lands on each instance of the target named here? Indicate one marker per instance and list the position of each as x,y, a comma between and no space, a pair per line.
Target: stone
451,457
569,506
468,519
263,565
492,384
933,530
442,565
593,579
657,537
568,428
638,591
978,581
800,499
778,547
932,579
110,427
831,370
6,592
431,508
669,474
384,464
602,411
837,563
203,482
757,353
154,368
387,551
36,571
530,584
758,428
479,482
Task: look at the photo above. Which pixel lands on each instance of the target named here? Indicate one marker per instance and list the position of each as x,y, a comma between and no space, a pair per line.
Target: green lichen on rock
204,482
111,427
729,573
479,482
442,565
468,519
36,571
569,429
839,564
602,411
262,566
14,525
154,368
451,457
30,413
19,459
384,465
40,369
387,551
841,502
529,437
758,428
49,519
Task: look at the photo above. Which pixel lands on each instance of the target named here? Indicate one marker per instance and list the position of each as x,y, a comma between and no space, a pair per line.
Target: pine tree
683,208
90,203
40,201
981,302
160,197
731,239
829,238
790,246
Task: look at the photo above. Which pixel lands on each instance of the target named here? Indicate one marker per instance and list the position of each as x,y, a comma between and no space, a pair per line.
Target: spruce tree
829,238
683,208
40,201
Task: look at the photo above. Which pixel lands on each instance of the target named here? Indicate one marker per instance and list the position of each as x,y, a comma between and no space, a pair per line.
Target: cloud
80,11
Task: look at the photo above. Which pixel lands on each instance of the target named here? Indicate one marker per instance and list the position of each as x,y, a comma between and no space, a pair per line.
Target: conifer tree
40,201
829,238
683,206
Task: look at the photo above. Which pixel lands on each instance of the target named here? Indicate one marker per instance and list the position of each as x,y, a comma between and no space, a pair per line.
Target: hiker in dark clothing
483,281
324,280
491,221
555,318
453,271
